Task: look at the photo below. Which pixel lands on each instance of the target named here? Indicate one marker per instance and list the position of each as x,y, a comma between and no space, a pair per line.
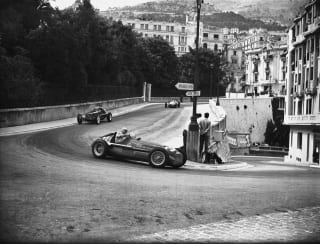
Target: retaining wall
246,113
22,116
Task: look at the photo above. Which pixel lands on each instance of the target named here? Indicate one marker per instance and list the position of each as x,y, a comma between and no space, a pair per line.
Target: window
299,140
299,107
205,35
167,38
133,26
171,39
141,26
146,26
234,52
267,76
308,139
216,36
311,73
159,27
308,106
215,47
172,28
167,28
155,27
291,137
205,45
183,29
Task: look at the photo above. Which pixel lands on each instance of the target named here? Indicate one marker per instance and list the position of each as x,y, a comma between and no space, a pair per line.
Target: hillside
257,13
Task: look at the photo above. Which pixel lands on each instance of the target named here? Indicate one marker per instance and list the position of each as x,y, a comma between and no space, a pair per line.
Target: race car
174,103
96,115
158,156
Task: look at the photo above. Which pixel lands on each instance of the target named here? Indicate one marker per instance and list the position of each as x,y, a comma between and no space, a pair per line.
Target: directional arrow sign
184,86
193,93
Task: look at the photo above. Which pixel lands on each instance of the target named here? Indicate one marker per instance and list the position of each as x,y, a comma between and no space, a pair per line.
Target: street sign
184,86
193,93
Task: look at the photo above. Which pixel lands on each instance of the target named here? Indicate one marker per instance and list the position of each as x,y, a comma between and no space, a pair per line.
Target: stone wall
246,113
22,116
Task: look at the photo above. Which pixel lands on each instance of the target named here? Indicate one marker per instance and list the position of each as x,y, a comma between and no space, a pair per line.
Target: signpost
193,93
184,86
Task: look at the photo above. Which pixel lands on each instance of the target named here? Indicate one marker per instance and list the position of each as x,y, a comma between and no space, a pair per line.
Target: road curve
52,189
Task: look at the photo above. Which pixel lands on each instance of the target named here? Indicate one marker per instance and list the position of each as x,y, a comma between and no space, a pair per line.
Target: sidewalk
174,141
286,226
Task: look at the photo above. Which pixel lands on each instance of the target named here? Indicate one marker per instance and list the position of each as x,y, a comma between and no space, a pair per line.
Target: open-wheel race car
156,155
96,115
174,103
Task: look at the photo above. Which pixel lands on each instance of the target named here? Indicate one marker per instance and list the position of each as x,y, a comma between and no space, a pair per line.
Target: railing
302,119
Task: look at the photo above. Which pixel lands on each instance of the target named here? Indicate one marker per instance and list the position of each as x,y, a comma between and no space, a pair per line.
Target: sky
99,4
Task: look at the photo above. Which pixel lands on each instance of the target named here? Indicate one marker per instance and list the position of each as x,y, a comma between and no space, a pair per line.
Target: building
179,35
302,111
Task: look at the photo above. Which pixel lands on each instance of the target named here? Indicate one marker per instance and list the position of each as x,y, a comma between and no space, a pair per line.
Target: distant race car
157,155
174,103
96,115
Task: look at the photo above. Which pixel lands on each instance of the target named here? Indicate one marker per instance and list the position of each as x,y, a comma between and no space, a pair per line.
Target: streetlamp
211,68
193,133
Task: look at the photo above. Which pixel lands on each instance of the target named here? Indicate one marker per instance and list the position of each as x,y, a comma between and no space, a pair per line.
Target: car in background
174,103
158,156
96,115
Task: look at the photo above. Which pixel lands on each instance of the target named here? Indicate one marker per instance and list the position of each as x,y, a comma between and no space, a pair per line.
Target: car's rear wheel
98,120
79,119
109,117
99,148
183,159
158,158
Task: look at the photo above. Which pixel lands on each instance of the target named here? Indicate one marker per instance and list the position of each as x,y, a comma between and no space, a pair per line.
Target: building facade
302,111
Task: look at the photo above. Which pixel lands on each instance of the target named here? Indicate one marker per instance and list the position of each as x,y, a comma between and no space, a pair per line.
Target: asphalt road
52,189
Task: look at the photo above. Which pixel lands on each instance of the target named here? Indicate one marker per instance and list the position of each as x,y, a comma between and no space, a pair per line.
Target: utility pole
193,133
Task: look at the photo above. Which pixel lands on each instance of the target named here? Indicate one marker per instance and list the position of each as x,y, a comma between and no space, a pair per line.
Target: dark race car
157,155
96,115
174,103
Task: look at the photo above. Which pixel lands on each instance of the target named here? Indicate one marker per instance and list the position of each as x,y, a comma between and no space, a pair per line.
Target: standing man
204,126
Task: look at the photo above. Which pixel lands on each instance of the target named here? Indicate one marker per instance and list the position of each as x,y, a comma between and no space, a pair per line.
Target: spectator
204,126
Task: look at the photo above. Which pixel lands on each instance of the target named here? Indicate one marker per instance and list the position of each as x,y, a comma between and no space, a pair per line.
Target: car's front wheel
99,148
79,119
109,117
158,158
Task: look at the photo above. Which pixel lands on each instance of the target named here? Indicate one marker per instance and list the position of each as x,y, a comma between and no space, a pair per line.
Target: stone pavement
288,226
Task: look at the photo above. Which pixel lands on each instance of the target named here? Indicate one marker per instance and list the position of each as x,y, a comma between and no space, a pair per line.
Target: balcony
309,119
312,89
313,26
298,39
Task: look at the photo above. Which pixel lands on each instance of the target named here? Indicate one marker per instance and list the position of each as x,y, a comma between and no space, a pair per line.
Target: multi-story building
266,70
179,35
302,111
213,38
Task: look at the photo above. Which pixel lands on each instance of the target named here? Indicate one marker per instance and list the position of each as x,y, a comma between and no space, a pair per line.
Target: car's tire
79,119
158,158
98,120
109,117
184,159
99,148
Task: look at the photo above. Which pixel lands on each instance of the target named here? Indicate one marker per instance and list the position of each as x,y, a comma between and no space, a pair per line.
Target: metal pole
218,102
193,133
211,67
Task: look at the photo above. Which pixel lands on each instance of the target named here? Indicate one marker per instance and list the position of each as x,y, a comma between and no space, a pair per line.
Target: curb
200,166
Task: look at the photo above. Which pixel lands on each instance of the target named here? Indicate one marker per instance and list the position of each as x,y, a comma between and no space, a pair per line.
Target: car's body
96,115
174,103
157,155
